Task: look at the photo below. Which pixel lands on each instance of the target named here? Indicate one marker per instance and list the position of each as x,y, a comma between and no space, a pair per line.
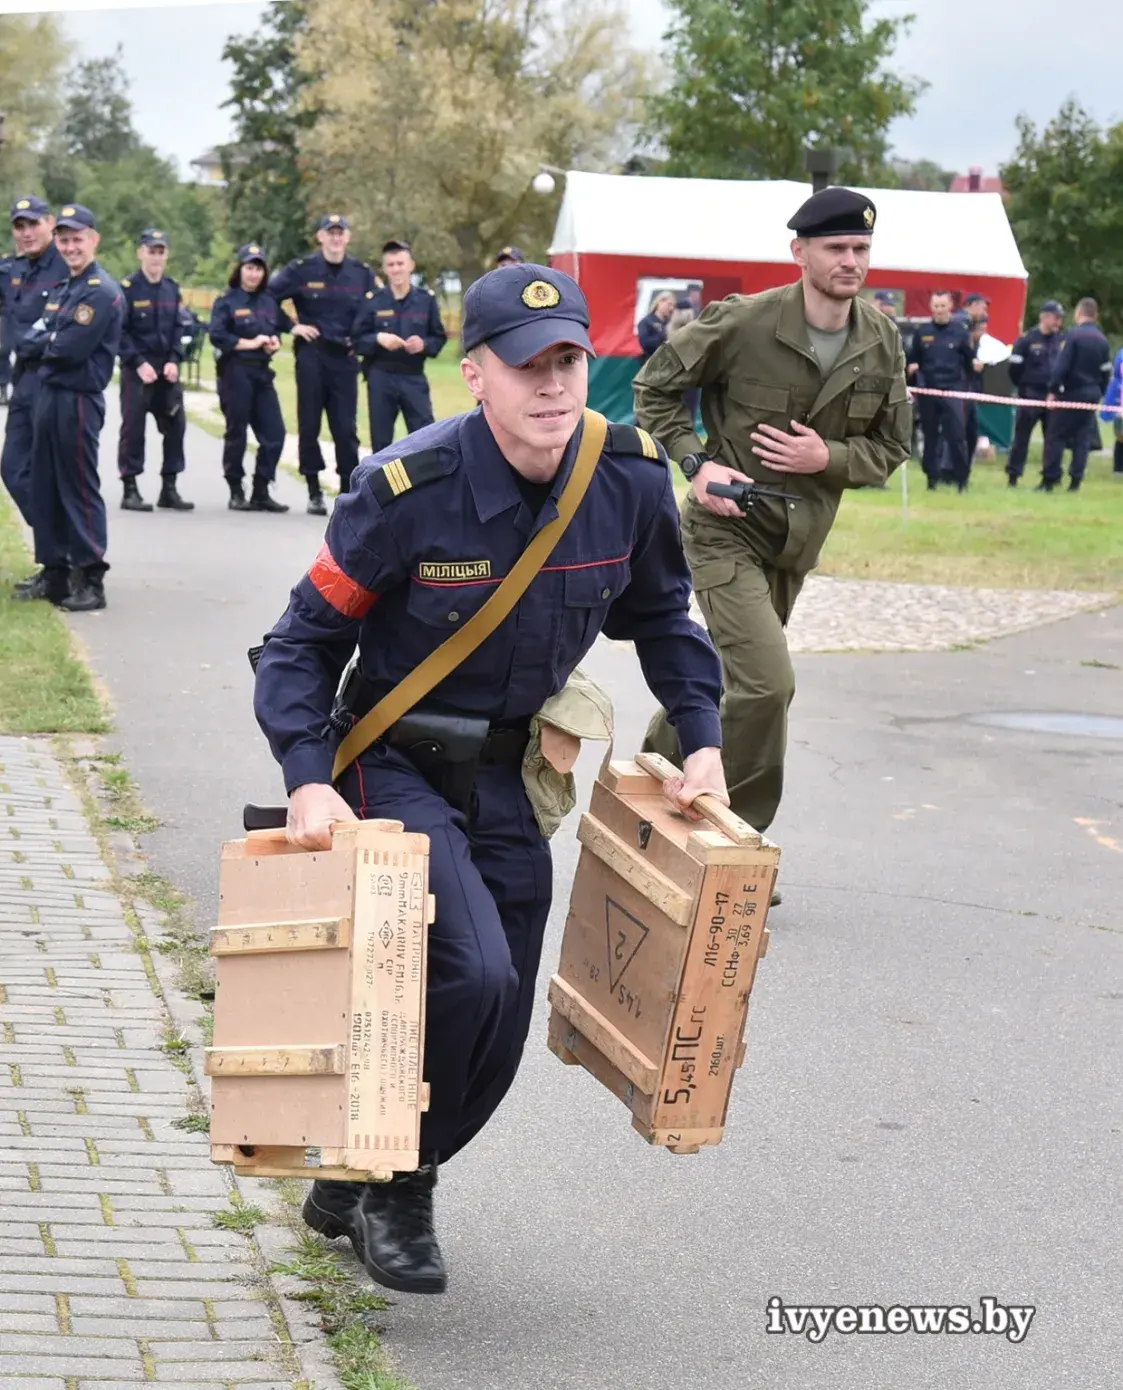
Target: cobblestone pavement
835,615
112,1272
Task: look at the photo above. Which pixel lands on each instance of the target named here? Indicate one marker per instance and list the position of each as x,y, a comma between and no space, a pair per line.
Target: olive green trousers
746,604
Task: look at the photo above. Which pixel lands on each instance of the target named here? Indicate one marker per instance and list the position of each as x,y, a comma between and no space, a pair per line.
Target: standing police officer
75,344
398,328
940,357
151,351
36,271
328,290
803,387
470,492
1080,373
1031,365
5,331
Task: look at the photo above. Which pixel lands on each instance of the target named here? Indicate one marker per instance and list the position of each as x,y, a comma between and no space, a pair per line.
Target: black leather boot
332,1209
170,499
316,504
260,501
50,584
399,1245
237,501
132,501
1074,484
88,594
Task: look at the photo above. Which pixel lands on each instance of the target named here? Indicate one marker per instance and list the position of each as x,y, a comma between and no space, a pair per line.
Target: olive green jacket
752,357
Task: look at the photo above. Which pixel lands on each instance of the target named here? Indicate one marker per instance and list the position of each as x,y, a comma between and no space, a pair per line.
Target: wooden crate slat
275,1061
611,850
640,1070
324,934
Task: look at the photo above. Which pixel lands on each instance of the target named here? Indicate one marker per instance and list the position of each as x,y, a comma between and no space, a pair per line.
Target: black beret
835,212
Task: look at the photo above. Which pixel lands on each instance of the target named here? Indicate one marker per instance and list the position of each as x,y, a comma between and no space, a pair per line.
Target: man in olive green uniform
803,389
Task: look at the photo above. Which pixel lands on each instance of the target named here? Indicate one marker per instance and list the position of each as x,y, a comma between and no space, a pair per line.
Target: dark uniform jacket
1083,366
417,313
418,544
80,334
652,333
944,354
151,331
31,281
752,358
329,297
1031,362
239,314
5,306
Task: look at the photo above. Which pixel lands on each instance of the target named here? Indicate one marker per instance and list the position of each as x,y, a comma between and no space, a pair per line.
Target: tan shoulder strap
448,656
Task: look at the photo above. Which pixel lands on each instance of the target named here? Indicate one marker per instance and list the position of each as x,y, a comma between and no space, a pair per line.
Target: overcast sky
986,61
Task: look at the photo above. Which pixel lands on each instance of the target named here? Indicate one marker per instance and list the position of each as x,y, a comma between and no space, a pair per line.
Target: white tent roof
731,220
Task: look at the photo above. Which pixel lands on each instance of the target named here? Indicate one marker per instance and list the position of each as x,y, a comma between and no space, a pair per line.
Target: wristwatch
692,463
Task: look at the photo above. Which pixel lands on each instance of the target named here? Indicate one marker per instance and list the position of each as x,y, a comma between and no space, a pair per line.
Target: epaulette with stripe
390,480
630,439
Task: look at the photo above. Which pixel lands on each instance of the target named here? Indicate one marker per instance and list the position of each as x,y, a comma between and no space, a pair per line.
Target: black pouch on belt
445,749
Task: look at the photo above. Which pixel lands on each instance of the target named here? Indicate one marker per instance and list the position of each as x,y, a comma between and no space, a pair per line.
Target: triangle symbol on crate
626,934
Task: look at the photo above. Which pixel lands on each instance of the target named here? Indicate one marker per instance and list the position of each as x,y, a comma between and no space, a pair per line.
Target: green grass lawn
44,687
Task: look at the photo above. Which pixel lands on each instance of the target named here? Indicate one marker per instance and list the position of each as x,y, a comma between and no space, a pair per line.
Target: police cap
885,296
975,298
396,244
30,209
333,219
521,310
252,251
1052,306
153,236
835,212
75,215
510,255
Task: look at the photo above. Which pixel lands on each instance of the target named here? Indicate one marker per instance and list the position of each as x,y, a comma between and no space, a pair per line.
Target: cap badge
24,203
254,250
68,212
159,235
334,217
540,294
867,217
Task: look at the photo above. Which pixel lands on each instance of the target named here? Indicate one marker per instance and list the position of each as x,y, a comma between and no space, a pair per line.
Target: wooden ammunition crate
667,921
319,1021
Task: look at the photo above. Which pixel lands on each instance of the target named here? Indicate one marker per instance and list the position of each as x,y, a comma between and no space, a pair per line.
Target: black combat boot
399,1245
88,594
316,504
1074,484
50,584
332,1209
237,501
260,501
170,499
1043,486
132,501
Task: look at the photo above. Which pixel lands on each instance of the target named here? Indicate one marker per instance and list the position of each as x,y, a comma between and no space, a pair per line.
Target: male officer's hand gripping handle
313,809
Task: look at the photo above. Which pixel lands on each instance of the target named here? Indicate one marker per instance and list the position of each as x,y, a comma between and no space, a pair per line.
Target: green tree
33,54
267,189
98,125
1065,186
754,82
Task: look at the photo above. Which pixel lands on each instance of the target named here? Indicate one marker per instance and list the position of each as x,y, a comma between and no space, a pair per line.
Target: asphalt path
930,1110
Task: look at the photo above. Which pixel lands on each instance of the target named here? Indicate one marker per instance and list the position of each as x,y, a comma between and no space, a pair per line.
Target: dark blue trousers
249,402
391,392
327,381
67,508
5,366
15,461
944,424
492,882
1026,420
1068,431
138,400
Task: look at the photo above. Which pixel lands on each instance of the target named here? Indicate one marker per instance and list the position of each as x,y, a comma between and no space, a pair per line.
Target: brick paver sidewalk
112,1272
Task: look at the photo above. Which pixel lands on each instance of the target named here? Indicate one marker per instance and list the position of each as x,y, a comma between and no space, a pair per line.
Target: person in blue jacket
399,327
652,328
245,330
1114,418
73,347
467,494
941,357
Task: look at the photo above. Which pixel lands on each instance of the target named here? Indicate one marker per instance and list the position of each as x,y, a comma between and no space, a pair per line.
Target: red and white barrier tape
1014,400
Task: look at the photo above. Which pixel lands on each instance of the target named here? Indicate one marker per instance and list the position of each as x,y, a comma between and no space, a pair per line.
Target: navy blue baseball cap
1052,306
976,298
333,219
885,296
512,254
521,310
252,251
75,215
30,209
153,236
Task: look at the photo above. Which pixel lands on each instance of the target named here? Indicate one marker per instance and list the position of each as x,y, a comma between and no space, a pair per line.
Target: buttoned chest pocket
588,593
315,289
866,401
439,611
754,403
246,324
414,322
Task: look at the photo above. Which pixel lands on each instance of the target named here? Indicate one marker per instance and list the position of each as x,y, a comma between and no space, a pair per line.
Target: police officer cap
1052,306
395,244
884,296
510,255
684,302
835,212
153,236
252,251
521,310
75,215
30,209
975,298
333,219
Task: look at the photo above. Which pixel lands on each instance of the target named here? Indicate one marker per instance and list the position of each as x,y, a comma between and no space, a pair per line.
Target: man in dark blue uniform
35,272
652,328
940,357
462,498
399,327
1080,373
1031,365
5,331
510,255
151,351
74,346
327,289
